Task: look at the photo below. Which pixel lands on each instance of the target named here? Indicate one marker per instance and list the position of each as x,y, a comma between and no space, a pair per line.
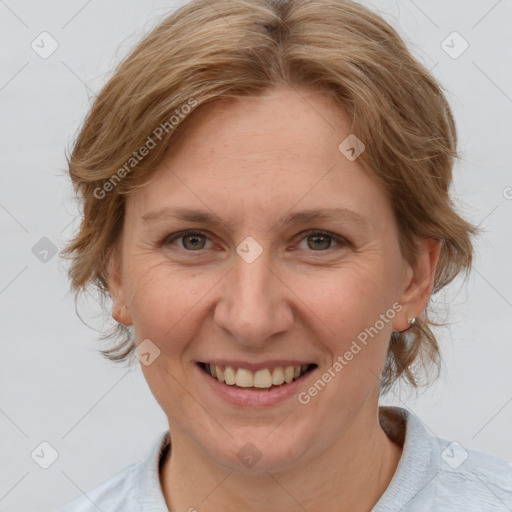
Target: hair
205,52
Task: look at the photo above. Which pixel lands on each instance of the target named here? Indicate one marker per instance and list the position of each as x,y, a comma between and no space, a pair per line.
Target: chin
249,459
258,452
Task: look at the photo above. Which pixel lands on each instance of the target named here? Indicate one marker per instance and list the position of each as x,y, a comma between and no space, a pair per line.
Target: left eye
319,240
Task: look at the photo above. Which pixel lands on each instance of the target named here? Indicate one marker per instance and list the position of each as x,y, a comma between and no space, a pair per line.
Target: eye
319,241
195,240
190,240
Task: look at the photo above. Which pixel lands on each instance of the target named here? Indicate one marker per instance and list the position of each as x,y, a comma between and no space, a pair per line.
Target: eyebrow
208,218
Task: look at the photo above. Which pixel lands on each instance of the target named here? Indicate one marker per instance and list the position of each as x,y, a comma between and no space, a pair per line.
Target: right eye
191,241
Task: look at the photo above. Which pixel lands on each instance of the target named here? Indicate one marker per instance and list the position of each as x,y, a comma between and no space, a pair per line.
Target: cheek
348,299
165,302
351,312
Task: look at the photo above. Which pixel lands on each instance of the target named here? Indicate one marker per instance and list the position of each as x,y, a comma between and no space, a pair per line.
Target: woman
265,200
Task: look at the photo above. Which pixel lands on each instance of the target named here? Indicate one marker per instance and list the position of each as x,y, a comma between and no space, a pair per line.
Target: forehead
261,156
284,123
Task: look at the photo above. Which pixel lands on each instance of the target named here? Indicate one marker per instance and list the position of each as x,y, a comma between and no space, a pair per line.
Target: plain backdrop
98,417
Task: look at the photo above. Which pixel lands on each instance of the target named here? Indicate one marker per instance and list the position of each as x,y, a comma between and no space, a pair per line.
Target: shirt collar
416,469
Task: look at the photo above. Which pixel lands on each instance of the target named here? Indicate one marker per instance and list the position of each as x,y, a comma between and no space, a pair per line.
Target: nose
254,304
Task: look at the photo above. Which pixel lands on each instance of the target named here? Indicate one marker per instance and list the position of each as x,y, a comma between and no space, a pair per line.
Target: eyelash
340,241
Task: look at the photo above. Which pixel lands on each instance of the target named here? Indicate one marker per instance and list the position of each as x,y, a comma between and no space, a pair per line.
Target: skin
251,162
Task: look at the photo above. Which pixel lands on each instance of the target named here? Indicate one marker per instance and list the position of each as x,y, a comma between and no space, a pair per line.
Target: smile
261,379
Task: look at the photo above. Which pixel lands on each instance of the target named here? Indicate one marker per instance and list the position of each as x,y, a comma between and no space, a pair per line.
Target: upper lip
274,363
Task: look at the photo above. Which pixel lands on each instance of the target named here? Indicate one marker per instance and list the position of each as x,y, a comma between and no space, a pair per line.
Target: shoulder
114,495
134,489
474,478
437,475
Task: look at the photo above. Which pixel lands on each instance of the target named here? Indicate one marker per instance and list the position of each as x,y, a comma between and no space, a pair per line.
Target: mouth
264,379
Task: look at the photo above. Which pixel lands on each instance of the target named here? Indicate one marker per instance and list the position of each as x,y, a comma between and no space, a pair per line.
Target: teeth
229,375
263,379
278,376
288,373
243,378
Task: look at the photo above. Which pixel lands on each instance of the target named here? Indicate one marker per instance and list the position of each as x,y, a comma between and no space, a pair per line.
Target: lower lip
250,397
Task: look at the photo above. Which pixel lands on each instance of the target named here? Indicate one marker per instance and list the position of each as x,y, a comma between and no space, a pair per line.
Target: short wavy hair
207,51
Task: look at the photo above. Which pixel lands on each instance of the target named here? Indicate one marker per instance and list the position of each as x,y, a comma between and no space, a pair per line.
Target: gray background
100,417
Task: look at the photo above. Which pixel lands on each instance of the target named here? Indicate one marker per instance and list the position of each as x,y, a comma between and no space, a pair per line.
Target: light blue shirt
433,475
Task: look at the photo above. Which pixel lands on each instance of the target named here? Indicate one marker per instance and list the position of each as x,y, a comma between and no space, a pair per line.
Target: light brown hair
208,51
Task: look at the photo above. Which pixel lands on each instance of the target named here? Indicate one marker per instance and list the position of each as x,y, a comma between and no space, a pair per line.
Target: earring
120,309
411,322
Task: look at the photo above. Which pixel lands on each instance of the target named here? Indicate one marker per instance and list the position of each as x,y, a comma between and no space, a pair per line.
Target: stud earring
121,308
411,321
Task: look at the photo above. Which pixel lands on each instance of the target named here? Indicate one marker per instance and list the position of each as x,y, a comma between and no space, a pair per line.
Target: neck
350,475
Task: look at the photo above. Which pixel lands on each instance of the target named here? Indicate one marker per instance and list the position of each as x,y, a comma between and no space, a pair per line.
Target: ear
418,283
120,311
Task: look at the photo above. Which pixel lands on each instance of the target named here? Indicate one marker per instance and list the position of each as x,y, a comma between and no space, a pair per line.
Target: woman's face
256,289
